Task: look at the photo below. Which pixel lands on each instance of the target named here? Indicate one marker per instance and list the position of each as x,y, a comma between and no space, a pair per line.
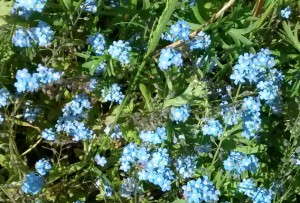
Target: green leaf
237,35
92,65
146,4
68,4
146,96
197,15
194,92
180,201
82,55
162,23
5,7
63,171
289,35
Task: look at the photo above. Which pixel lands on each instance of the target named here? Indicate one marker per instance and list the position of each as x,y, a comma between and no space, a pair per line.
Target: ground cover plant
150,101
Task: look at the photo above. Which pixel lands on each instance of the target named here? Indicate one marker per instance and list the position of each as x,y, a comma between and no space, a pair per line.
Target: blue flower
180,114
230,114
286,12
200,190
90,6
113,94
43,166
78,107
155,164
257,195
73,112
201,41
116,133
30,113
154,137
92,84
32,184
4,95
97,41
186,165
178,31
239,162
251,117
28,82
213,127
47,76
120,50
247,186
21,38
1,119
25,8
42,34
101,161
168,57
48,134
262,195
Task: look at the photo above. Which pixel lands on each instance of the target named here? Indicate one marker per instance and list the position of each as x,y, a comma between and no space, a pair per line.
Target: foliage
149,101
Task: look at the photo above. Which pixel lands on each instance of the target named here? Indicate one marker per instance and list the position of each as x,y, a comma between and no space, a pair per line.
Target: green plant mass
149,101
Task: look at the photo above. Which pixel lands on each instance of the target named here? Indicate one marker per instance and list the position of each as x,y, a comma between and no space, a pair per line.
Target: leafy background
245,26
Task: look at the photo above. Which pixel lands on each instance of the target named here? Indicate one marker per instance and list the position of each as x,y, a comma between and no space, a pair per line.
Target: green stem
224,132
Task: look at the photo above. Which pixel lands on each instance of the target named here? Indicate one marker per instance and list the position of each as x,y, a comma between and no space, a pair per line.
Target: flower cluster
129,187
31,113
257,195
90,6
120,50
101,161
42,35
239,162
259,69
22,38
185,165
213,127
97,41
26,8
4,95
251,117
32,184
157,170
43,166
230,114
200,190
155,165
132,154
92,85
180,114
113,94
116,133
178,31
156,137
201,41
286,12
168,57
49,134
73,112
31,82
